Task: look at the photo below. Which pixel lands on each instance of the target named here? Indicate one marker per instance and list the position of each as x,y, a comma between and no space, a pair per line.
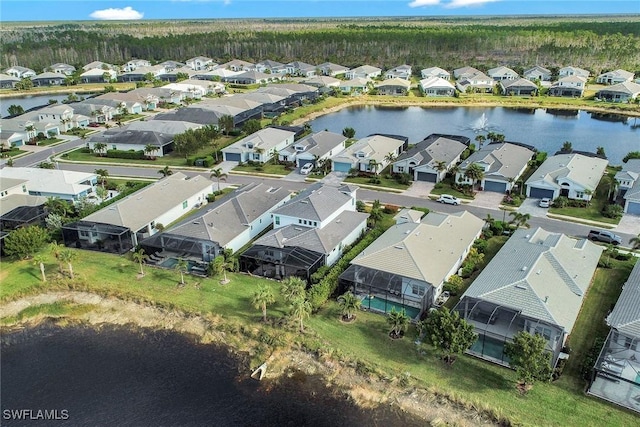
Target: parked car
306,169
604,236
449,199
93,125
544,203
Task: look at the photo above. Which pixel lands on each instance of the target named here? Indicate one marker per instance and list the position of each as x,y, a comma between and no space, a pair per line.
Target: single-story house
273,67
98,75
621,92
21,209
96,113
228,223
142,97
309,231
502,73
48,79
17,131
140,74
313,148
400,72
435,72
61,68
298,68
63,184
538,73
295,93
535,283
615,376
629,186
572,175
370,154
100,65
120,106
330,69
478,82
465,72
436,86
135,64
172,74
251,77
170,66
430,159
259,147
194,88
237,65
503,164
395,87
20,72
363,71
7,81
572,86
356,85
518,87
323,82
406,267
573,71
615,77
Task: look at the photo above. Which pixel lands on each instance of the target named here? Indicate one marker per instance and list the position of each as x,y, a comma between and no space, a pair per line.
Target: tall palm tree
349,304
480,139
218,175
263,297
226,123
489,220
99,147
181,266
149,149
474,172
165,171
66,255
300,310
399,322
103,174
140,257
390,157
292,288
39,261
373,166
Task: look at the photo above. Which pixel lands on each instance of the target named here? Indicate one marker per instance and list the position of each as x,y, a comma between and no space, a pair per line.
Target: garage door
540,193
341,167
425,176
498,187
302,162
633,208
232,157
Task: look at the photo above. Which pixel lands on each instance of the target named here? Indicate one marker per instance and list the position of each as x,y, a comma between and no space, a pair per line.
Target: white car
306,169
449,199
544,203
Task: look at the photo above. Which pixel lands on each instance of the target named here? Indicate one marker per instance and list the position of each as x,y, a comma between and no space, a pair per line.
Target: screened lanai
96,236
23,216
278,263
181,246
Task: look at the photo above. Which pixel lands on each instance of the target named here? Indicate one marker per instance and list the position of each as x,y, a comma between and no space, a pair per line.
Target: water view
119,377
544,129
33,101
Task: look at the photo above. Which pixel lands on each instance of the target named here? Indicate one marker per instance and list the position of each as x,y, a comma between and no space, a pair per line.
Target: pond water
33,101
121,377
544,129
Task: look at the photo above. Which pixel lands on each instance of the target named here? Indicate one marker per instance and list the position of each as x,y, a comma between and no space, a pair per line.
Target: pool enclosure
96,236
278,263
182,246
23,216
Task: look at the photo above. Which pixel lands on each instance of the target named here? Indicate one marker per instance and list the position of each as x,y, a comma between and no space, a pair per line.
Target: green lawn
384,182
49,141
445,187
268,168
13,152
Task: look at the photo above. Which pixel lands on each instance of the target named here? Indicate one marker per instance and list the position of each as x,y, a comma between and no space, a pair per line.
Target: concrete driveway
295,176
334,178
487,199
629,224
530,206
420,189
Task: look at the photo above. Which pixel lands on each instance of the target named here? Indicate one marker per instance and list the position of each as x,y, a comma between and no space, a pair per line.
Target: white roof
51,180
582,170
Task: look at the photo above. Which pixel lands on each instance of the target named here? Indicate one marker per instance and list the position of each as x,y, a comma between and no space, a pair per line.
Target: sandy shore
366,391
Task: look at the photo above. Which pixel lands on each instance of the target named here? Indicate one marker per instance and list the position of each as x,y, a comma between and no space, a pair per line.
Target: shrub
374,180
211,197
497,228
403,178
467,270
360,206
390,209
487,234
481,245
454,284
590,358
612,211
561,202
130,154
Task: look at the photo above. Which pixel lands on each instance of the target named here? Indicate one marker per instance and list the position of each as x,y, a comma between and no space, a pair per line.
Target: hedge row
130,154
207,162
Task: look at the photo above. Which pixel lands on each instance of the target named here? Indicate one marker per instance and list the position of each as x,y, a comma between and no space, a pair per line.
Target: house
20,72
435,72
135,64
572,86
7,81
406,267
295,94
364,71
270,105
20,209
330,69
100,66
394,87
122,104
141,136
518,87
200,63
142,213
465,72
215,74
63,184
356,85
430,159
241,108
502,73
229,223
621,92
258,147
314,148
573,71
61,68
323,82
370,154
615,377
436,86
174,74
309,231
477,83
195,89
59,115
251,77
48,79
629,186
297,68
171,66
98,75
572,175
140,74
400,72
538,73
503,164
237,65
615,77
272,67
96,113
535,283
22,129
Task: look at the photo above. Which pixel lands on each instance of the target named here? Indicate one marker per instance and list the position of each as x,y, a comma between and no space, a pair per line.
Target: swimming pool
384,306
170,263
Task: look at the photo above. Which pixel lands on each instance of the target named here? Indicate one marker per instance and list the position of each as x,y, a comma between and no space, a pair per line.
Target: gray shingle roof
437,147
316,203
505,160
625,316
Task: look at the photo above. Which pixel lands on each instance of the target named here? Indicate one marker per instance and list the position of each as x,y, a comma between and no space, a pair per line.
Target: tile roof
504,159
316,203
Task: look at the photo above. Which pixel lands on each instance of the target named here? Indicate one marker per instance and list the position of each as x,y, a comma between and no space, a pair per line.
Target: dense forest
595,43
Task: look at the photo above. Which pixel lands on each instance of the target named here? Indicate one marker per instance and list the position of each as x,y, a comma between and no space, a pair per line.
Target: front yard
268,168
446,186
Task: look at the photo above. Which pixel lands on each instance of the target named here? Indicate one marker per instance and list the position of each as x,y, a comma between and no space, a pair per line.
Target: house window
83,233
315,223
299,221
185,204
277,220
579,194
24,188
401,169
545,332
417,290
256,156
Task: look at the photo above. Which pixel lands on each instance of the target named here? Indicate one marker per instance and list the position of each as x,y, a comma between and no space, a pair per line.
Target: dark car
94,125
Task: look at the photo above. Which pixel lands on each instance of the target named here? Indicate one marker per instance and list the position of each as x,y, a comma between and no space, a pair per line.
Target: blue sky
66,10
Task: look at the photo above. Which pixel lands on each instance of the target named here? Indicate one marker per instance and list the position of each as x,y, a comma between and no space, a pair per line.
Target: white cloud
423,3
454,4
111,14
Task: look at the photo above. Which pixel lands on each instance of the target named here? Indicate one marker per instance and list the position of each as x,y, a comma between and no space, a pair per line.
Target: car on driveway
544,203
449,199
306,169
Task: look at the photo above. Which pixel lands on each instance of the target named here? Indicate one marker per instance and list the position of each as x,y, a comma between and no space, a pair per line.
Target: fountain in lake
482,124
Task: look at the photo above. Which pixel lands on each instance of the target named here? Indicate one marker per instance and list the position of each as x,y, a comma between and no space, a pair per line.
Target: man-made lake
544,129
32,101
119,377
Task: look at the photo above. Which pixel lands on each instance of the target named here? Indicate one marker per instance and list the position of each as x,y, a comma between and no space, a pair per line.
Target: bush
374,180
467,270
211,197
403,178
390,209
612,211
487,234
561,202
360,206
130,154
481,245
497,228
454,284
590,359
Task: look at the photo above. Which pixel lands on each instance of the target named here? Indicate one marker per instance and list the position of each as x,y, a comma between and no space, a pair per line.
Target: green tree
251,126
226,123
100,148
349,132
293,288
55,250
262,297
528,356
631,155
567,147
149,149
220,265
349,304
635,242
218,175
373,166
140,257
181,266
39,261
24,84
102,174
399,322
15,110
390,157
300,310
165,171
449,333
474,172
67,255
55,205
600,152
480,139
24,242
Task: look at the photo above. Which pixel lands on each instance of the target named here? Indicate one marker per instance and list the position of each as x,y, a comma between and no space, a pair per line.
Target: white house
61,68
61,115
200,63
568,86
621,92
435,72
134,64
313,148
20,72
502,73
573,71
436,86
260,146
538,73
478,82
63,184
98,75
400,72
370,154
615,77
356,85
364,71
394,87
331,69
629,186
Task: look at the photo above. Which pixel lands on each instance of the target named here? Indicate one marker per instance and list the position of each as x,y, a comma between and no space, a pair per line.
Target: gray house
48,79
621,92
535,283
629,186
314,148
518,87
430,159
616,375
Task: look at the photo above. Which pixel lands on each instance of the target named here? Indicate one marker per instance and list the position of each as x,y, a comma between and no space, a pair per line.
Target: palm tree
66,255
390,157
218,175
274,156
480,139
293,288
221,264
99,147
474,172
567,147
350,304
635,242
140,257
300,310
399,322
103,174
149,149
181,266
39,261
373,166
226,123
263,297
519,219
55,250
489,220
166,171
